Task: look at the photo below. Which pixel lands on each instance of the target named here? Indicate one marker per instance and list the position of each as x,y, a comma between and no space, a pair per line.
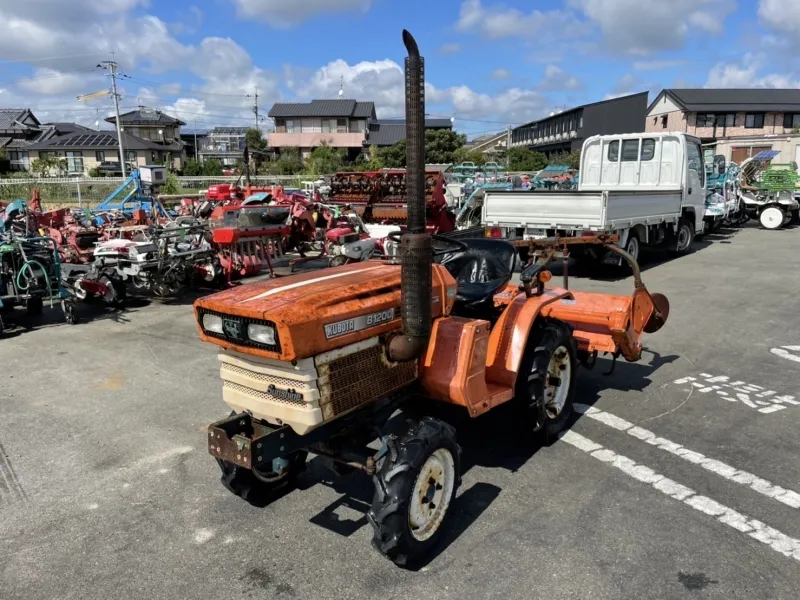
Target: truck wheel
771,217
414,490
116,293
546,379
684,236
34,306
255,486
632,246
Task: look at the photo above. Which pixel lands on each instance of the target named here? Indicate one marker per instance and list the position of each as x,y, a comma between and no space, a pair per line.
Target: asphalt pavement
679,477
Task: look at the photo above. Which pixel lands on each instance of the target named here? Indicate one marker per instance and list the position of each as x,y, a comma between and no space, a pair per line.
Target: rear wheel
414,490
546,379
338,261
684,236
771,217
632,245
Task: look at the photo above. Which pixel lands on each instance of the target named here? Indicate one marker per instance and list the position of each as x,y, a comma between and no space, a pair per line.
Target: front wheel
254,485
546,379
772,217
414,490
684,236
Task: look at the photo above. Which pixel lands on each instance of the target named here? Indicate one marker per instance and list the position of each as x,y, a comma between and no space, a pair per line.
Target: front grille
361,377
243,341
265,377
263,395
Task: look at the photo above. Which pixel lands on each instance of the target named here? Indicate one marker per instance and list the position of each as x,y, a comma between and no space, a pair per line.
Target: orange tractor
318,362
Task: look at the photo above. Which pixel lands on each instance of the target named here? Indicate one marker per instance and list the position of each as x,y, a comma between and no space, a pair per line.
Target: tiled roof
146,116
4,141
99,140
323,108
733,100
9,115
230,130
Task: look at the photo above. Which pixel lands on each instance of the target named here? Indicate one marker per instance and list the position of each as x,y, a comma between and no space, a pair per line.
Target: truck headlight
212,323
262,334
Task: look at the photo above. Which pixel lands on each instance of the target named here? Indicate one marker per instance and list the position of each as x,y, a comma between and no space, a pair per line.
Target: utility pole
255,107
112,69
508,149
196,149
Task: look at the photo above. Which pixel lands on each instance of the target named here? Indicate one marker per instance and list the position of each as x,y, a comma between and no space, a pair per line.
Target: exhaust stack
416,246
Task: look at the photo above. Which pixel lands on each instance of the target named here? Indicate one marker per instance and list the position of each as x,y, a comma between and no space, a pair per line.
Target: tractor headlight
261,334
212,323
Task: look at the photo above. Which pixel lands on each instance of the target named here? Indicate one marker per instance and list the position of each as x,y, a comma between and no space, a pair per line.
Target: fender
509,336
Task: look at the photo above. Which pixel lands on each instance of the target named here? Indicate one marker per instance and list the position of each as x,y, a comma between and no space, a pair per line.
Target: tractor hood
315,312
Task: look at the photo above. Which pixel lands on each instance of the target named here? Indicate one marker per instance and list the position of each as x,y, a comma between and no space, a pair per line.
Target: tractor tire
542,391
414,491
795,218
683,237
256,487
34,306
772,217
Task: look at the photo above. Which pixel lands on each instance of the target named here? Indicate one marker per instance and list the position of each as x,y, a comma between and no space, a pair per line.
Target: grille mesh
280,381
362,377
263,395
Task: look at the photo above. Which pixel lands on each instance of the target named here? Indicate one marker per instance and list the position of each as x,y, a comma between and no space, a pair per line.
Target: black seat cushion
481,270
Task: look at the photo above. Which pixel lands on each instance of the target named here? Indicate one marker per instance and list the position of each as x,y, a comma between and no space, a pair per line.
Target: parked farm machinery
768,190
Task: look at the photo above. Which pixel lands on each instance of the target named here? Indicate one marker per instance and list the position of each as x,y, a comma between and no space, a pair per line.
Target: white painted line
779,542
786,352
762,486
292,286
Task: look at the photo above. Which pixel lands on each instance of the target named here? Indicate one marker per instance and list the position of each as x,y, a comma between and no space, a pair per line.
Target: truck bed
587,210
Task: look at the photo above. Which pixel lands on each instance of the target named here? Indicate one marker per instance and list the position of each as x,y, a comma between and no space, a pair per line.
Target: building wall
787,145
143,157
621,115
663,106
676,121
312,140
687,122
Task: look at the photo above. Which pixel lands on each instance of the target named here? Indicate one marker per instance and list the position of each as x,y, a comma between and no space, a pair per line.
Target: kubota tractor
318,362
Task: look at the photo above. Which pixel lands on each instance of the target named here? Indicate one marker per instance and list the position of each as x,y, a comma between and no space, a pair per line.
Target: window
648,149
100,156
630,150
341,125
695,157
664,121
357,125
754,121
580,123
290,126
130,156
74,162
311,126
613,151
791,120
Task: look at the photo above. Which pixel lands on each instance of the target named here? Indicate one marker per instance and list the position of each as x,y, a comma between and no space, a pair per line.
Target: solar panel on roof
766,155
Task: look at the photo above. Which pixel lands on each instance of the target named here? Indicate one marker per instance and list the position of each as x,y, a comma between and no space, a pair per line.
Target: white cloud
288,13
446,49
780,15
556,78
501,73
643,27
747,75
498,21
382,82
49,82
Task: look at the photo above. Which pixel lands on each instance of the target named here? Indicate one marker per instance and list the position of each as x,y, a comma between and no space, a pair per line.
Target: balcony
312,140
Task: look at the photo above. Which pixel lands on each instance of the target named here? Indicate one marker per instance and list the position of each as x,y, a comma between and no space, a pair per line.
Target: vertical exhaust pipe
416,246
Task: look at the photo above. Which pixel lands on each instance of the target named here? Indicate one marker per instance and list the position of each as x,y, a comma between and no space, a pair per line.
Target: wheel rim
683,237
432,493
559,377
80,293
632,247
771,218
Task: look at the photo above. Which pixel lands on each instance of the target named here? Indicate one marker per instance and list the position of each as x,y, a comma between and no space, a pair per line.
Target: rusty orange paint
301,305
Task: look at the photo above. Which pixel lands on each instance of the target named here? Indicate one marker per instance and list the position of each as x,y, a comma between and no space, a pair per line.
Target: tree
254,139
172,185
325,159
45,166
212,168
441,144
394,156
370,161
524,159
193,168
571,159
468,155
290,162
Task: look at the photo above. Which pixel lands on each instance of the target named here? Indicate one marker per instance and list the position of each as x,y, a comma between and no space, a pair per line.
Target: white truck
649,188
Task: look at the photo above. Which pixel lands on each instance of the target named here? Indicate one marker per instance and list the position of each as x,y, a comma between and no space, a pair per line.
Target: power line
60,57
51,76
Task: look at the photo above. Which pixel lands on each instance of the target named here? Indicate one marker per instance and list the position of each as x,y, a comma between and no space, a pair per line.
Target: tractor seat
482,270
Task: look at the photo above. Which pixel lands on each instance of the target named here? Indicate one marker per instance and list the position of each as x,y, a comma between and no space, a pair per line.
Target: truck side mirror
719,164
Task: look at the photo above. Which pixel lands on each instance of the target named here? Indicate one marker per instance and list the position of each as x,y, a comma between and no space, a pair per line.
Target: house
224,144
84,151
387,132
736,123
566,130
306,125
19,128
491,145
193,139
155,127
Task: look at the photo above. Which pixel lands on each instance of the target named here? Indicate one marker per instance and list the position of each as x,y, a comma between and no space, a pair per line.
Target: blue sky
489,64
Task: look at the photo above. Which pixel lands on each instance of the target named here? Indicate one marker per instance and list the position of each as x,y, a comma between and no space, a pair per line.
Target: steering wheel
396,235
